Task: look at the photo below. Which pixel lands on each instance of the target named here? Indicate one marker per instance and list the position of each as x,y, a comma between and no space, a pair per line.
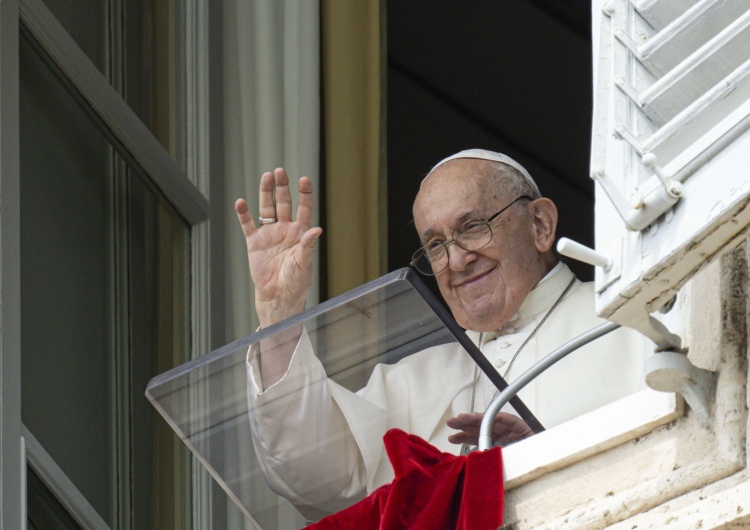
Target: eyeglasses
473,235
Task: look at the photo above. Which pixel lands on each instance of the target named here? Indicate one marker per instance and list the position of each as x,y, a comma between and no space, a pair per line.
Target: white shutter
670,147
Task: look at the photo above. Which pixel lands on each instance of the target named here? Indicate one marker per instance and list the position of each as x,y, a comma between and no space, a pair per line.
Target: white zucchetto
492,156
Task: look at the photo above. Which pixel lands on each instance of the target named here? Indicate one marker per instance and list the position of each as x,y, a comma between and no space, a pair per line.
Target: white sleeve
305,446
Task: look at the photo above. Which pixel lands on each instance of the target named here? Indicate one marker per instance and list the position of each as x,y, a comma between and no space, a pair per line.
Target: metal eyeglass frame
422,251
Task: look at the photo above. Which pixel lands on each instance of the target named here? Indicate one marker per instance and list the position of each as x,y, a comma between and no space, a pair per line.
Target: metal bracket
669,371
645,208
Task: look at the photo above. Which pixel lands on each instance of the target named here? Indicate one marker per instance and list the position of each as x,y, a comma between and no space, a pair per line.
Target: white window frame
668,240
588,434
638,416
681,456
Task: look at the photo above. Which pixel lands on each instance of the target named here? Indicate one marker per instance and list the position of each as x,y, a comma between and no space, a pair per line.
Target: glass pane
44,511
66,288
85,21
105,285
381,345
137,46
157,330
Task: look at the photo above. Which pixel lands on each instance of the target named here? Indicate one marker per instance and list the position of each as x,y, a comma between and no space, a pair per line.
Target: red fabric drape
431,491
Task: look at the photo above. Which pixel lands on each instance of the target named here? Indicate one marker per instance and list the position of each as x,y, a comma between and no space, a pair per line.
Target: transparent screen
385,355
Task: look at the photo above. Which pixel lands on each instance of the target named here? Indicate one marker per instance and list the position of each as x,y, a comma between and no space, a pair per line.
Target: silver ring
266,220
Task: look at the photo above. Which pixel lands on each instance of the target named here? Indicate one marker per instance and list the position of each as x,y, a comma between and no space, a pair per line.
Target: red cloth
431,491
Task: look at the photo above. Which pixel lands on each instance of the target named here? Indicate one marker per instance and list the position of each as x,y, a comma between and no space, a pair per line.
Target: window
110,229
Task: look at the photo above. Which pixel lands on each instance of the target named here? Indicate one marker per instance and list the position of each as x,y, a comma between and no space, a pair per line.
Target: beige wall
681,475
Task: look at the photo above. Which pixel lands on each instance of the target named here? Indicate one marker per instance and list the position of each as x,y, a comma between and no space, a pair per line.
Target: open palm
280,253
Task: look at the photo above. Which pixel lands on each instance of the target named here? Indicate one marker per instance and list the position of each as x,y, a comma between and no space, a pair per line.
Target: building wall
684,474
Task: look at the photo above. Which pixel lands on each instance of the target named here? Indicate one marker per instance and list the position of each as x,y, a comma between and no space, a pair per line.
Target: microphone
485,429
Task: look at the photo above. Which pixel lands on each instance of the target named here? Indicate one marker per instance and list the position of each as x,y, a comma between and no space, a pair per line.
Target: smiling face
485,288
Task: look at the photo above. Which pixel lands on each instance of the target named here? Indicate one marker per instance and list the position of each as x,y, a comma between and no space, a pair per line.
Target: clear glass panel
362,363
66,283
137,47
105,283
156,324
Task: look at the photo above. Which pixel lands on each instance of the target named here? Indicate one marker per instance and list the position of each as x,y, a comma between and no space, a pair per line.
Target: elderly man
487,236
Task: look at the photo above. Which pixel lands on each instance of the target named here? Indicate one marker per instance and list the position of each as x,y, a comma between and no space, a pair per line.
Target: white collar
539,300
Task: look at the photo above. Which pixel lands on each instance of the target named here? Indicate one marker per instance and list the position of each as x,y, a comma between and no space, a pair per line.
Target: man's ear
544,217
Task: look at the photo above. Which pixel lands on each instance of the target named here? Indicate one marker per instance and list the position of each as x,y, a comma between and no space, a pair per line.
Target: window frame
187,191
12,460
681,456
604,428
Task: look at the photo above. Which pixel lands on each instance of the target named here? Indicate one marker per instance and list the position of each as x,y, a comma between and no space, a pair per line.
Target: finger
307,247
507,419
504,431
465,419
509,426
510,420
267,208
454,423
468,425
283,195
308,239
305,201
509,438
463,438
244,217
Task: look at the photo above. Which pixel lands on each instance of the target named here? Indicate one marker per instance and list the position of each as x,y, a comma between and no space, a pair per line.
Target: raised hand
280,252
506,429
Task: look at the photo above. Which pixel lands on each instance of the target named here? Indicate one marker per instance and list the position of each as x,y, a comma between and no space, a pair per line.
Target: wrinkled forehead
458,189
471,178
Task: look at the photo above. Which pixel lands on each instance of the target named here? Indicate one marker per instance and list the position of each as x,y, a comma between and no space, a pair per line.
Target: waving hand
280,249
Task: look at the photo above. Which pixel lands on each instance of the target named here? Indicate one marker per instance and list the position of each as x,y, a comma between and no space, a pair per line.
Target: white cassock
321,445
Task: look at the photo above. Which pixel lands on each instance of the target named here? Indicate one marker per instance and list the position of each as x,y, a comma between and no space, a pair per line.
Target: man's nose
459,258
